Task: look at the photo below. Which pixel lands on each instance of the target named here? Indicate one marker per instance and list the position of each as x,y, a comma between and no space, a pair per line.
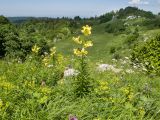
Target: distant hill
18,20
124,13
128,11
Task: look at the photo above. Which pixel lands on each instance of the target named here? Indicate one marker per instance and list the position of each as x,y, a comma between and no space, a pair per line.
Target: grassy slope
103,42
62,103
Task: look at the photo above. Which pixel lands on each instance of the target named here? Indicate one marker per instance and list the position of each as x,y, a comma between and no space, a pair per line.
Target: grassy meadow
46,74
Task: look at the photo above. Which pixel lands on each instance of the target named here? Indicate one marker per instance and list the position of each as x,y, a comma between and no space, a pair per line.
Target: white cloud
138,2
134,1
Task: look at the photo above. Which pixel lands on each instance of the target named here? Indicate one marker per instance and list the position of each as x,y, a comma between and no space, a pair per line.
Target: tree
77,18
106,17
4,20
147,55
9,41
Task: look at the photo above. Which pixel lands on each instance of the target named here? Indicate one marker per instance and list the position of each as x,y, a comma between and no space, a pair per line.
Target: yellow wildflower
126,91
88,44
35,49
53,51
77,52
45,60
30,84
111,99
86,30
46,90
77,40
43,99
130,96
81,52
141,111
84,52
60,58
103,86
7,85
103,83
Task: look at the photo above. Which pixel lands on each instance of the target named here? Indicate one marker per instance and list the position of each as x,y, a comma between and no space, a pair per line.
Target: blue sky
70,8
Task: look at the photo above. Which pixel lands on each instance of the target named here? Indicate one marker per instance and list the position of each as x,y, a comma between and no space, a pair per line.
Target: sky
71,8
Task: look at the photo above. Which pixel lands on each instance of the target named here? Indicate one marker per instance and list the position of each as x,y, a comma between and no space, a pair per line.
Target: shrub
131,39
4,20
112,49
106,17
148,55
152,23
115,26
9,41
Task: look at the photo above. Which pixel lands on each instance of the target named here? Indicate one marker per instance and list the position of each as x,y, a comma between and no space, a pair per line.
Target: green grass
115,96
110,103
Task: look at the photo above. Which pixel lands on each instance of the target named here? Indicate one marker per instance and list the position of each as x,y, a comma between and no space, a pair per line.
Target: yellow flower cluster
77,40
45,60
141,111
48,57
86,30
30,84
128,93
88,44
45,90
35,49
52,51
43,99
60,59
103,86
80,52
7,85
130,96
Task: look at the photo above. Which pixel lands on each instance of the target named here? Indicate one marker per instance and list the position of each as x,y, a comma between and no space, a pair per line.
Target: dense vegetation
52,69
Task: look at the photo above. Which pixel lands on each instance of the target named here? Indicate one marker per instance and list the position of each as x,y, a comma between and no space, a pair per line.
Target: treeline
18,35
17,39
120,14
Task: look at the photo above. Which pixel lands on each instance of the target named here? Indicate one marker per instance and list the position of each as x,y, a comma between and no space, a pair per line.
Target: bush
115,26
112,49
4,20
132,38
106,17
9,41
148,55
152,23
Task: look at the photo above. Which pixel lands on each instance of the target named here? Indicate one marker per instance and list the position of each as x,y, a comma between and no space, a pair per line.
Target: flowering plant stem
83,86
